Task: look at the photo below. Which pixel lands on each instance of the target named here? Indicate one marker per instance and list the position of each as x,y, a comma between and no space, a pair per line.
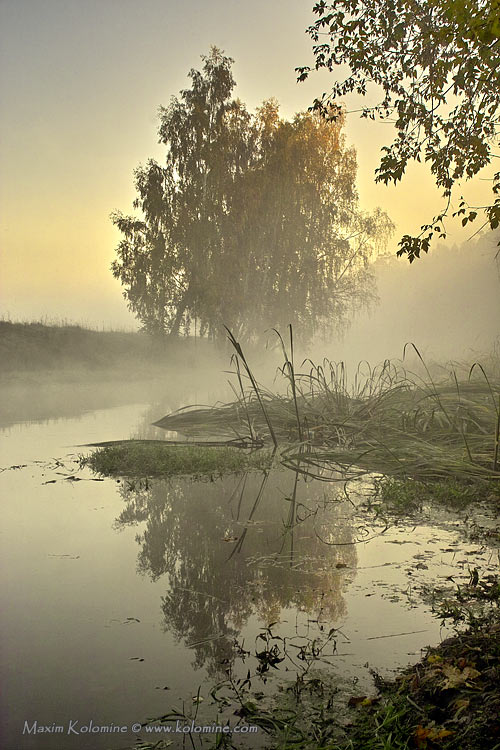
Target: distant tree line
251,222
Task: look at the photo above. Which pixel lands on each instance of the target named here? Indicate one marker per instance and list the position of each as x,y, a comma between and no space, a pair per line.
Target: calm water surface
122,599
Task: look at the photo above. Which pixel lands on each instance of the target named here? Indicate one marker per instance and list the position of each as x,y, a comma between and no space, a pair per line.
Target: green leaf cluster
437,63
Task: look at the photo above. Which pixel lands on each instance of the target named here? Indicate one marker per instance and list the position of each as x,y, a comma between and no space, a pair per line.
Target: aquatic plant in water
388,420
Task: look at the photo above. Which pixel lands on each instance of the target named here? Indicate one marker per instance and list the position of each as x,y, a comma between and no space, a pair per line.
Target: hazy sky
81,82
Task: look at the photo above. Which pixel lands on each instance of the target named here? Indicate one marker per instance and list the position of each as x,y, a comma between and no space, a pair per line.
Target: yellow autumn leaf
370,701
456,677
422,734
470,673
434,658
439,734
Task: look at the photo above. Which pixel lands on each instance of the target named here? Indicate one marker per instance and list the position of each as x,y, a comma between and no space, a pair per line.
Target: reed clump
385,420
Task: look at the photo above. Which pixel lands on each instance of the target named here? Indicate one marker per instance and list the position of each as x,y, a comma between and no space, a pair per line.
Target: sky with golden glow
80,85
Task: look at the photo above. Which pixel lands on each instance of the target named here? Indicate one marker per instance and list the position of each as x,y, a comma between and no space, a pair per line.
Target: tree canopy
252,221
438,64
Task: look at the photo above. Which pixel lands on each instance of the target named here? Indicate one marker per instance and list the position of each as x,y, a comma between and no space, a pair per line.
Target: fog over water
126,597
122,599
446,303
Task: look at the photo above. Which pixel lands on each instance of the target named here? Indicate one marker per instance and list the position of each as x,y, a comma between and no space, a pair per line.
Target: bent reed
387,421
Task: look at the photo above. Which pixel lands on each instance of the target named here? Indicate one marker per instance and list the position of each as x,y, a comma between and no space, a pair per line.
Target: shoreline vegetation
426,438
385,420
156,458
73,351
450,699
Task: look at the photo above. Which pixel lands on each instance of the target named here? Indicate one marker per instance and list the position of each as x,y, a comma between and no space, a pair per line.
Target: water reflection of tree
240,546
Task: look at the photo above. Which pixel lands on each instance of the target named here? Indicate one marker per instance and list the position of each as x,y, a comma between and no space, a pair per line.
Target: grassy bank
150,459
449,700
32,347
408,495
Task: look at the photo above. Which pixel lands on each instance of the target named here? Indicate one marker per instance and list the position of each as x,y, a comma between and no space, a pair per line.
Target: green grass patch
140,459
408,494
388,728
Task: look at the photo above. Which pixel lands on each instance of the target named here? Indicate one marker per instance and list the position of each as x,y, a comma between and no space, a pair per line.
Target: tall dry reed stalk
387,420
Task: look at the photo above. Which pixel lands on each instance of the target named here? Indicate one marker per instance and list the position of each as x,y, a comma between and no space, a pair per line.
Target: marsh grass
407,494
449,699
385,420
133,459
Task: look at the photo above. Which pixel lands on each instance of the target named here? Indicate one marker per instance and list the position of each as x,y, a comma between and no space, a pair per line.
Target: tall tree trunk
181,309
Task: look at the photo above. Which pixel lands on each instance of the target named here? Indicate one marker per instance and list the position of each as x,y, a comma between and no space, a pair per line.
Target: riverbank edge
28,349
449,699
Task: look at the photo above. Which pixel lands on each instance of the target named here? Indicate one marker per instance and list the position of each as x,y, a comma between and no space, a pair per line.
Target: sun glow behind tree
252,222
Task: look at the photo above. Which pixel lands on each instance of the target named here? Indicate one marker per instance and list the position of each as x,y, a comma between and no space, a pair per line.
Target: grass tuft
139,459
389,421
407,494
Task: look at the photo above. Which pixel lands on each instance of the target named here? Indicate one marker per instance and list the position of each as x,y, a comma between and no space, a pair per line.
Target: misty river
125,599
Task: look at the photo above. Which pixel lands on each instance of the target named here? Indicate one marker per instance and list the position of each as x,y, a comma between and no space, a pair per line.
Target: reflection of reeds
389,420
